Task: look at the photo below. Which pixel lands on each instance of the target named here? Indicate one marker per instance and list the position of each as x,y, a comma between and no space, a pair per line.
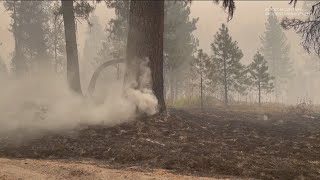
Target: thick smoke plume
42,103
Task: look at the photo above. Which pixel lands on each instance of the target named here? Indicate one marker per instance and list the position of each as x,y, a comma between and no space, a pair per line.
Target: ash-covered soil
210,143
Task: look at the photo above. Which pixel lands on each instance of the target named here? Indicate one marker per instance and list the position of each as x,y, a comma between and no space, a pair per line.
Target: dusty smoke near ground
38,103
143,96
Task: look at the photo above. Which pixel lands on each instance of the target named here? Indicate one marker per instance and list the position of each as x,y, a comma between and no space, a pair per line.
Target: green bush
193,102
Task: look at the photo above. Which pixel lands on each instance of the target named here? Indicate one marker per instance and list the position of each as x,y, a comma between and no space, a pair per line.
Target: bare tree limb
97,72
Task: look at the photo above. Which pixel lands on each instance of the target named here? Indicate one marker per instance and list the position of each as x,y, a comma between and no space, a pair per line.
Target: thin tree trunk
259,92
118,72
172,89
176,89
55,46
225,82
73,74
145,40
201,91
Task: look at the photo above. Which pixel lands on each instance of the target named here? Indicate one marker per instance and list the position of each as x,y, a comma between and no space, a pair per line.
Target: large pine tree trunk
145,40
73,74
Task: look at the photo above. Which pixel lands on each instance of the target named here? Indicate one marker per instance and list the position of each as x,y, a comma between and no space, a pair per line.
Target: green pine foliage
260,77
199,65
225,69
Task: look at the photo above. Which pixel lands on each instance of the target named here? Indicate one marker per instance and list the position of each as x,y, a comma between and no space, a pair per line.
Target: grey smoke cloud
38,103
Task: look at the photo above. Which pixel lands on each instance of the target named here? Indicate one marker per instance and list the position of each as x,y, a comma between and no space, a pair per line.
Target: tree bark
145,40
73,74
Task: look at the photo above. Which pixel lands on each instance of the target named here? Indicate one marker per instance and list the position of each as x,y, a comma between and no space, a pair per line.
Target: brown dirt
210,143
48,170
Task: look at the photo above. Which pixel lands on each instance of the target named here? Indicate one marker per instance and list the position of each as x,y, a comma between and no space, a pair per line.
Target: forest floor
211,143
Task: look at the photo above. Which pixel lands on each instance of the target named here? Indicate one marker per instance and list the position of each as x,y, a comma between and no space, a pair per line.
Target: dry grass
303,108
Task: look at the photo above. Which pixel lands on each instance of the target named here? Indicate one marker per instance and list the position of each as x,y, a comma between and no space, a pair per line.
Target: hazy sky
246,27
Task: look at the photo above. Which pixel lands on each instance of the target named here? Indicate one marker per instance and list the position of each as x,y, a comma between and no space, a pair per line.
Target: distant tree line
224,71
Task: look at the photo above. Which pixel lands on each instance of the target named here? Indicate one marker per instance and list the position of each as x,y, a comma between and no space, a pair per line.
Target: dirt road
27,169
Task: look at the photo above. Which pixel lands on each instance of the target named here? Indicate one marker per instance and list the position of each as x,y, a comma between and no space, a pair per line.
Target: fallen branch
97,72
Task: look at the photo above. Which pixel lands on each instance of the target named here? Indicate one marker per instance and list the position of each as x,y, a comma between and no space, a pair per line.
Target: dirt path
27,169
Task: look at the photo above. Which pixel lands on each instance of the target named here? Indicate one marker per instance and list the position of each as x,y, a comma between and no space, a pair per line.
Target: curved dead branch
97,72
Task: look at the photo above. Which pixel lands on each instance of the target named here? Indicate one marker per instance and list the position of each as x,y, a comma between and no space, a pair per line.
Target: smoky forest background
239,78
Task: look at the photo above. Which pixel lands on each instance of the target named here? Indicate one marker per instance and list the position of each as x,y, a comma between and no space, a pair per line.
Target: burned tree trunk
73,74
145,40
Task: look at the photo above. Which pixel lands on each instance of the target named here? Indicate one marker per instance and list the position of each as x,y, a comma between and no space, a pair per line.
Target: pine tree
225,68
31,29
69,11
145,40
73,72
19,65
179,42
199,67
259,75
275,49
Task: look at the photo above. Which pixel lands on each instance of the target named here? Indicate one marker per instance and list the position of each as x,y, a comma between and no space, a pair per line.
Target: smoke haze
43,102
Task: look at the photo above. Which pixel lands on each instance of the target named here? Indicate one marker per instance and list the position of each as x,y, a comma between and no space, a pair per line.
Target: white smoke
45,103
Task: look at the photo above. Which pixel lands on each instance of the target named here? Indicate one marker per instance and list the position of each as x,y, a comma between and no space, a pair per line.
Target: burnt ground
209,143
